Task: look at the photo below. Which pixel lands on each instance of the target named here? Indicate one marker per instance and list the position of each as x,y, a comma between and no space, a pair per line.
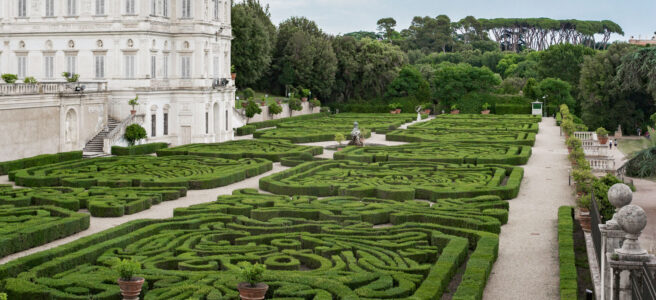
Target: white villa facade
173,54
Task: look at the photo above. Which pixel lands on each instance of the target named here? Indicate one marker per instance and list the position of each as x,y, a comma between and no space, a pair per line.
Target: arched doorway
217,123
71,128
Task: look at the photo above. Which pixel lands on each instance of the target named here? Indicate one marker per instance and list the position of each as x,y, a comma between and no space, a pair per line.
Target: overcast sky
637,17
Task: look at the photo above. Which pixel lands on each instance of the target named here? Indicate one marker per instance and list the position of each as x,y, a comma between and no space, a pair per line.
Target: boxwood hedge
457,153
470,136
395,180
192,172
138,149
566,256
273,150
46,159
313,248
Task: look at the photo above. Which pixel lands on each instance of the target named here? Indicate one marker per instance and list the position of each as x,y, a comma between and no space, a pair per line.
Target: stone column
612,235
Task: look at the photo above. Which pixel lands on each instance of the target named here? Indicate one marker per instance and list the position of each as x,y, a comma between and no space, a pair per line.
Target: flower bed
440,152
273,150
318,249
395,180
192,172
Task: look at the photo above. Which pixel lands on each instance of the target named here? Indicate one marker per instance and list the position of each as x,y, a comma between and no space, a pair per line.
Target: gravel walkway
527,267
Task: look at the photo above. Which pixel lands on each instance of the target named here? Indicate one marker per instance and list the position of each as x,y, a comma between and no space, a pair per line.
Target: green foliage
532,89
134,102
602,132
512,85
275,108
410,82
638,71
386,28
339,138
452,82
248,93
134,133
643,164
127,269
315,103
273,150
295,105
30,79
252,273
556,91
3,296
71,77
254,36
563,61
9,78
252,109
566,256
252,127
653,119
139,149
45,159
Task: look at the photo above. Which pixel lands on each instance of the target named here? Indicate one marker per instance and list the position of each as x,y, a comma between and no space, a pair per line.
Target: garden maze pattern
313,249
273,150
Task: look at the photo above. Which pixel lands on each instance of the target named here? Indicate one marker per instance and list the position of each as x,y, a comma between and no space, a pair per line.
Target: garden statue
356,136
418,110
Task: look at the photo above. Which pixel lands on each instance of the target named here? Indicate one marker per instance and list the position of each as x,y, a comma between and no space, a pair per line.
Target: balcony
17,89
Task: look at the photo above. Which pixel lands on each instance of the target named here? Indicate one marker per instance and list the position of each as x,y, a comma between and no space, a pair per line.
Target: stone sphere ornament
620,195
632,219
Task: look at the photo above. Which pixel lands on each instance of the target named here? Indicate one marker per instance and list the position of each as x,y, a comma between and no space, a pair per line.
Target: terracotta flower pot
133,112
131,289
603,140
247,292
427,111
398,110
393,112
455,112
584,219
569,149
485,112
304,99
244,104
234,76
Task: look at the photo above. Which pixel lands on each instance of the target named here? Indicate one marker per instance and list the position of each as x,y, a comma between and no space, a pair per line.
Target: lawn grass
631,146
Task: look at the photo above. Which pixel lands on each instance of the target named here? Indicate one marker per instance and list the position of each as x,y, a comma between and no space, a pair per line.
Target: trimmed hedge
100,201
138,149
459,153
250,128
27,227
473,136
45,159
273,150
191,172
465,123
566,255
313,248
395,180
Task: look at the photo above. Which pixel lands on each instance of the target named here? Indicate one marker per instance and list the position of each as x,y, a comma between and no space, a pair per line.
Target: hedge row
191,172
273,150
252,127
473,136
458,153
27,227
45,159
303,135
566,256
138,149
100,201
313,248
395,180
522,123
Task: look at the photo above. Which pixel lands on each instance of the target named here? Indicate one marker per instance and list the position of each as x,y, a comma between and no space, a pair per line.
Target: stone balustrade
601,164
15,89
585,135
596,150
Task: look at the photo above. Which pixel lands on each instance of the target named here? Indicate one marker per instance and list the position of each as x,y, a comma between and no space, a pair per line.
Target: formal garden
418,220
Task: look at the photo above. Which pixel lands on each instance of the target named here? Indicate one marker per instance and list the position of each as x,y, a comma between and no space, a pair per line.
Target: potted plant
252,288
340,139
233,73
244,104
427,108
573,143
602,135
129,284
71,77
275,108
392,107
304,93
454,109
584,212
315,103
486,109
30,80
10,78
134,102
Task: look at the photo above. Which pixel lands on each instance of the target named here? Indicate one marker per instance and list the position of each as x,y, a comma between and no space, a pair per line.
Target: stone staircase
96,144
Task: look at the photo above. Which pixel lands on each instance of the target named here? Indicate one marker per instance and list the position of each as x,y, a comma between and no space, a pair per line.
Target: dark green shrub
566,256
275,108
10,78
40,160
252,109
134,133
139,149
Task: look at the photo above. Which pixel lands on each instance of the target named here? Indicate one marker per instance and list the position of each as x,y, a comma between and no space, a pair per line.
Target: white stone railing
585,135
15,89
601,164
596,150
116,135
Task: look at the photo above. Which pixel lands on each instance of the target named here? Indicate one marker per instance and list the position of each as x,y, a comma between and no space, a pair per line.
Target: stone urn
248,292
131,289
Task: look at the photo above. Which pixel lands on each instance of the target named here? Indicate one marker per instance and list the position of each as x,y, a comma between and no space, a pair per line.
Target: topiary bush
252,109
275,108
134,133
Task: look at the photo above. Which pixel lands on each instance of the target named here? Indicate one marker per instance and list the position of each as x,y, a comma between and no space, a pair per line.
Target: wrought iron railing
595,221
642,284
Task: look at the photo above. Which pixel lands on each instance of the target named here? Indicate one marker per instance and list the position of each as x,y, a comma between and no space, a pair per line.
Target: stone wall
265,115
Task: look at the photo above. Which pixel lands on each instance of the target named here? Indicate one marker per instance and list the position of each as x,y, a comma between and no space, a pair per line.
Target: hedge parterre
458,153
273,150
566,255
23,228
100,201
191,172
313,249
469,136
395,180
8,166
479,124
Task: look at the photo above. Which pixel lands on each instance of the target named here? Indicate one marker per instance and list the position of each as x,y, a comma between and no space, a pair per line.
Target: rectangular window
129,66
22,66
129,7
165,8
22,8
166,123
100,7
186,67
71,64
207,123
50,8
49,67
216,67
186,9
165,66
153,7
71,8
99,62
216,9
226,118
153,67
153,128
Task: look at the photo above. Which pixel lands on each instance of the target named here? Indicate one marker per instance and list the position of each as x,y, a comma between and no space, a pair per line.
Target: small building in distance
641,42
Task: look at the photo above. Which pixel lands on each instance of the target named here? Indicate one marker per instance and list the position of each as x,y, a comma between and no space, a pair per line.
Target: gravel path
527,267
